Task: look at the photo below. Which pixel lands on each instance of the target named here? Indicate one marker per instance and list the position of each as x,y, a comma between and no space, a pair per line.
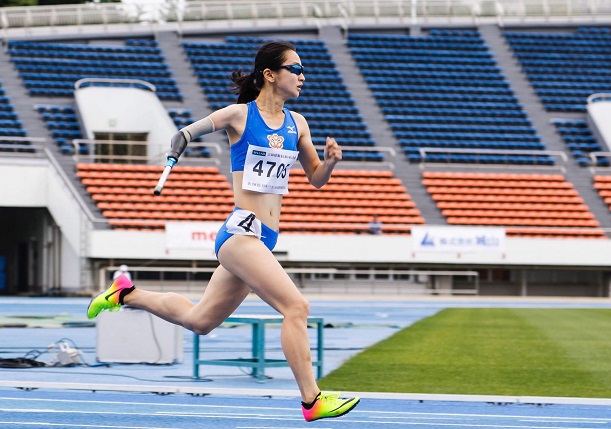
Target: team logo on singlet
275,141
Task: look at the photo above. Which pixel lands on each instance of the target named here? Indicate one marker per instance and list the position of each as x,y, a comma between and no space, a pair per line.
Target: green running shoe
112,298
328,404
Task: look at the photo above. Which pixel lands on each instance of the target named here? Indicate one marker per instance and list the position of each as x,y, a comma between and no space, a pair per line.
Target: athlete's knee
299,309
198,325
200,328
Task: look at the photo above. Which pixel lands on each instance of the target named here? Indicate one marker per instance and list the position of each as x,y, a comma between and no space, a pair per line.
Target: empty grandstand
467,128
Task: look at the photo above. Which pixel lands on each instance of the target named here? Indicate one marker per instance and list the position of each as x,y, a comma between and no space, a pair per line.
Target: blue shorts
244,222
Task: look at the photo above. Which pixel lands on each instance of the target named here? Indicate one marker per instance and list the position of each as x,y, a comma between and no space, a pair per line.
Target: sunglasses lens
296,69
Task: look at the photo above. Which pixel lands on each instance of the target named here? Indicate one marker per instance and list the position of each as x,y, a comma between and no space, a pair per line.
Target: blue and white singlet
265,154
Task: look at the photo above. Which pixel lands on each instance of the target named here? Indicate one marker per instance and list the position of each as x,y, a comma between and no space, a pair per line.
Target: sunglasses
294,68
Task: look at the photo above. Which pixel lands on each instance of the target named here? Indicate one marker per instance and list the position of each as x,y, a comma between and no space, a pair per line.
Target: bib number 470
280,171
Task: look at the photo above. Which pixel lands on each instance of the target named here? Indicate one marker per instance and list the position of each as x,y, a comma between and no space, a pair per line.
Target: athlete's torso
260,163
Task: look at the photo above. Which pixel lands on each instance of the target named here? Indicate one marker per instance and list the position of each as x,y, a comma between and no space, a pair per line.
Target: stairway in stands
579,176
409,174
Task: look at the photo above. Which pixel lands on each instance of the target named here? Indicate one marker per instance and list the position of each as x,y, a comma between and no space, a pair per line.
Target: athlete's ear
268,74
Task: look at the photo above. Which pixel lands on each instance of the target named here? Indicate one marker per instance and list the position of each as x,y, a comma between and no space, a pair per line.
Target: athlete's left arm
317,172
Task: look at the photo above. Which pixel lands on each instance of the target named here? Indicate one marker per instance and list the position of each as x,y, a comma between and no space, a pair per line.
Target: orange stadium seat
345,205
548,204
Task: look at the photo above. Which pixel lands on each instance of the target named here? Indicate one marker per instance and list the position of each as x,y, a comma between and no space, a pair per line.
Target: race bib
244,222
267,169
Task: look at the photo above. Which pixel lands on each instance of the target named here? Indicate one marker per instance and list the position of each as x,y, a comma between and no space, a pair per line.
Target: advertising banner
458,239
191,235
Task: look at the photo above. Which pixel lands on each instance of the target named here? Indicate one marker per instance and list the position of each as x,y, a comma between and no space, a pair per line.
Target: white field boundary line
270,392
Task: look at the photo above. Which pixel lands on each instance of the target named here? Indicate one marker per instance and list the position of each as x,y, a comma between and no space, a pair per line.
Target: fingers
333,151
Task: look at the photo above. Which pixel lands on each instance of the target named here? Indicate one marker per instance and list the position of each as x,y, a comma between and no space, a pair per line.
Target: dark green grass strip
489,351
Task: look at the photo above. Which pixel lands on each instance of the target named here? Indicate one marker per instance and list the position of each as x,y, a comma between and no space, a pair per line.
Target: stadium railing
91,146
307,278
304,12
532,158
14,145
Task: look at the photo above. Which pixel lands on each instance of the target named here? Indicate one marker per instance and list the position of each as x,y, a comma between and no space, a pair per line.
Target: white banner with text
458,239
191,235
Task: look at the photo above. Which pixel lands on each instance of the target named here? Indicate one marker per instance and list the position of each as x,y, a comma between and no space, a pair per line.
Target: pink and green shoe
328,404
112,298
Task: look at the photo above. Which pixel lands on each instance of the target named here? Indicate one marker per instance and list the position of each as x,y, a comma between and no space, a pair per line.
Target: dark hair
247,85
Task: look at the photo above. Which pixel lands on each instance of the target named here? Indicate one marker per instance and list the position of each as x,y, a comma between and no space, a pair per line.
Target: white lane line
81,425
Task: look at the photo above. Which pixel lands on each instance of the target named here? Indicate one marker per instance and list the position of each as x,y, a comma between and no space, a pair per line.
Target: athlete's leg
224,293
250,260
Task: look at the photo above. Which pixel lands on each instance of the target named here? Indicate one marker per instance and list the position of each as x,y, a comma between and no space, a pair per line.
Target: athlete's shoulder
297,115
230,116
237,109
299,119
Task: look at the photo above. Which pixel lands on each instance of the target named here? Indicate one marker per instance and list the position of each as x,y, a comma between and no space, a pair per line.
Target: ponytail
246,85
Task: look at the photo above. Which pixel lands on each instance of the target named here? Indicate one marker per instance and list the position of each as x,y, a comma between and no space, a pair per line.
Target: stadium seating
564,68
345,205
579,141
10,125
51,69
124,195
445,91
603,185
63,124
325,100
515,201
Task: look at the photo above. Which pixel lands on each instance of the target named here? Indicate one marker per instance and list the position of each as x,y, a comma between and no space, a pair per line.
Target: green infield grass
489,351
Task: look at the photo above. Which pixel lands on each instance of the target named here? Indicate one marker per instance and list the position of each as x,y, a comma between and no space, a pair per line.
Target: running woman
266,139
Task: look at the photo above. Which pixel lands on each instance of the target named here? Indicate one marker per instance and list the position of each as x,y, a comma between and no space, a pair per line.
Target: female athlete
266,139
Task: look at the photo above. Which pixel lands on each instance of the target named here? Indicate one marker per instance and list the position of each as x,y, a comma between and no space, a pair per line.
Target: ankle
309,401
124,294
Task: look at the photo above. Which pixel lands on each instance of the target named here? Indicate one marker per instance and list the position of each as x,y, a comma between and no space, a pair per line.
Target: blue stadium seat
444,90
564,68
50,69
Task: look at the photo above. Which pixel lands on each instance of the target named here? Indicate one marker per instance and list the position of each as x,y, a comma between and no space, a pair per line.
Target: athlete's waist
268,222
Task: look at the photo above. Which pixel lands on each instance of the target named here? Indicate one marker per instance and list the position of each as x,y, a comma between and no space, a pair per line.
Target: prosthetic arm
182,138
179,143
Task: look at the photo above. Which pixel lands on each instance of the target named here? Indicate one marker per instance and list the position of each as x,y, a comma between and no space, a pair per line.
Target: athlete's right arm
227,118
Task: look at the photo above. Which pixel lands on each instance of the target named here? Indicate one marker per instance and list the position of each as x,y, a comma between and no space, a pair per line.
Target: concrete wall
35,183
586,253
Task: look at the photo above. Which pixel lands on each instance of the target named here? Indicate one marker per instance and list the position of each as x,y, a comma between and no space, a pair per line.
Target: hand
333,151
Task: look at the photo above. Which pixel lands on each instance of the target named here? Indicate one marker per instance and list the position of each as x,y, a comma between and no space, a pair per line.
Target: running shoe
328,404
112,298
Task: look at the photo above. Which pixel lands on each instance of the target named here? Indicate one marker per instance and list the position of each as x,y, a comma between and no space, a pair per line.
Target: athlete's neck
272,107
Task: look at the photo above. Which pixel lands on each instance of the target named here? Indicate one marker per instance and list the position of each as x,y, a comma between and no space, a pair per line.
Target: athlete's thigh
249,259
224,293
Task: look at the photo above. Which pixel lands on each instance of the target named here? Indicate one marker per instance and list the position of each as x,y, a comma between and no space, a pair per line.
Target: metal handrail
316,270
602,96
25,148
594,161
282,11
560,154
124,82
159,158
